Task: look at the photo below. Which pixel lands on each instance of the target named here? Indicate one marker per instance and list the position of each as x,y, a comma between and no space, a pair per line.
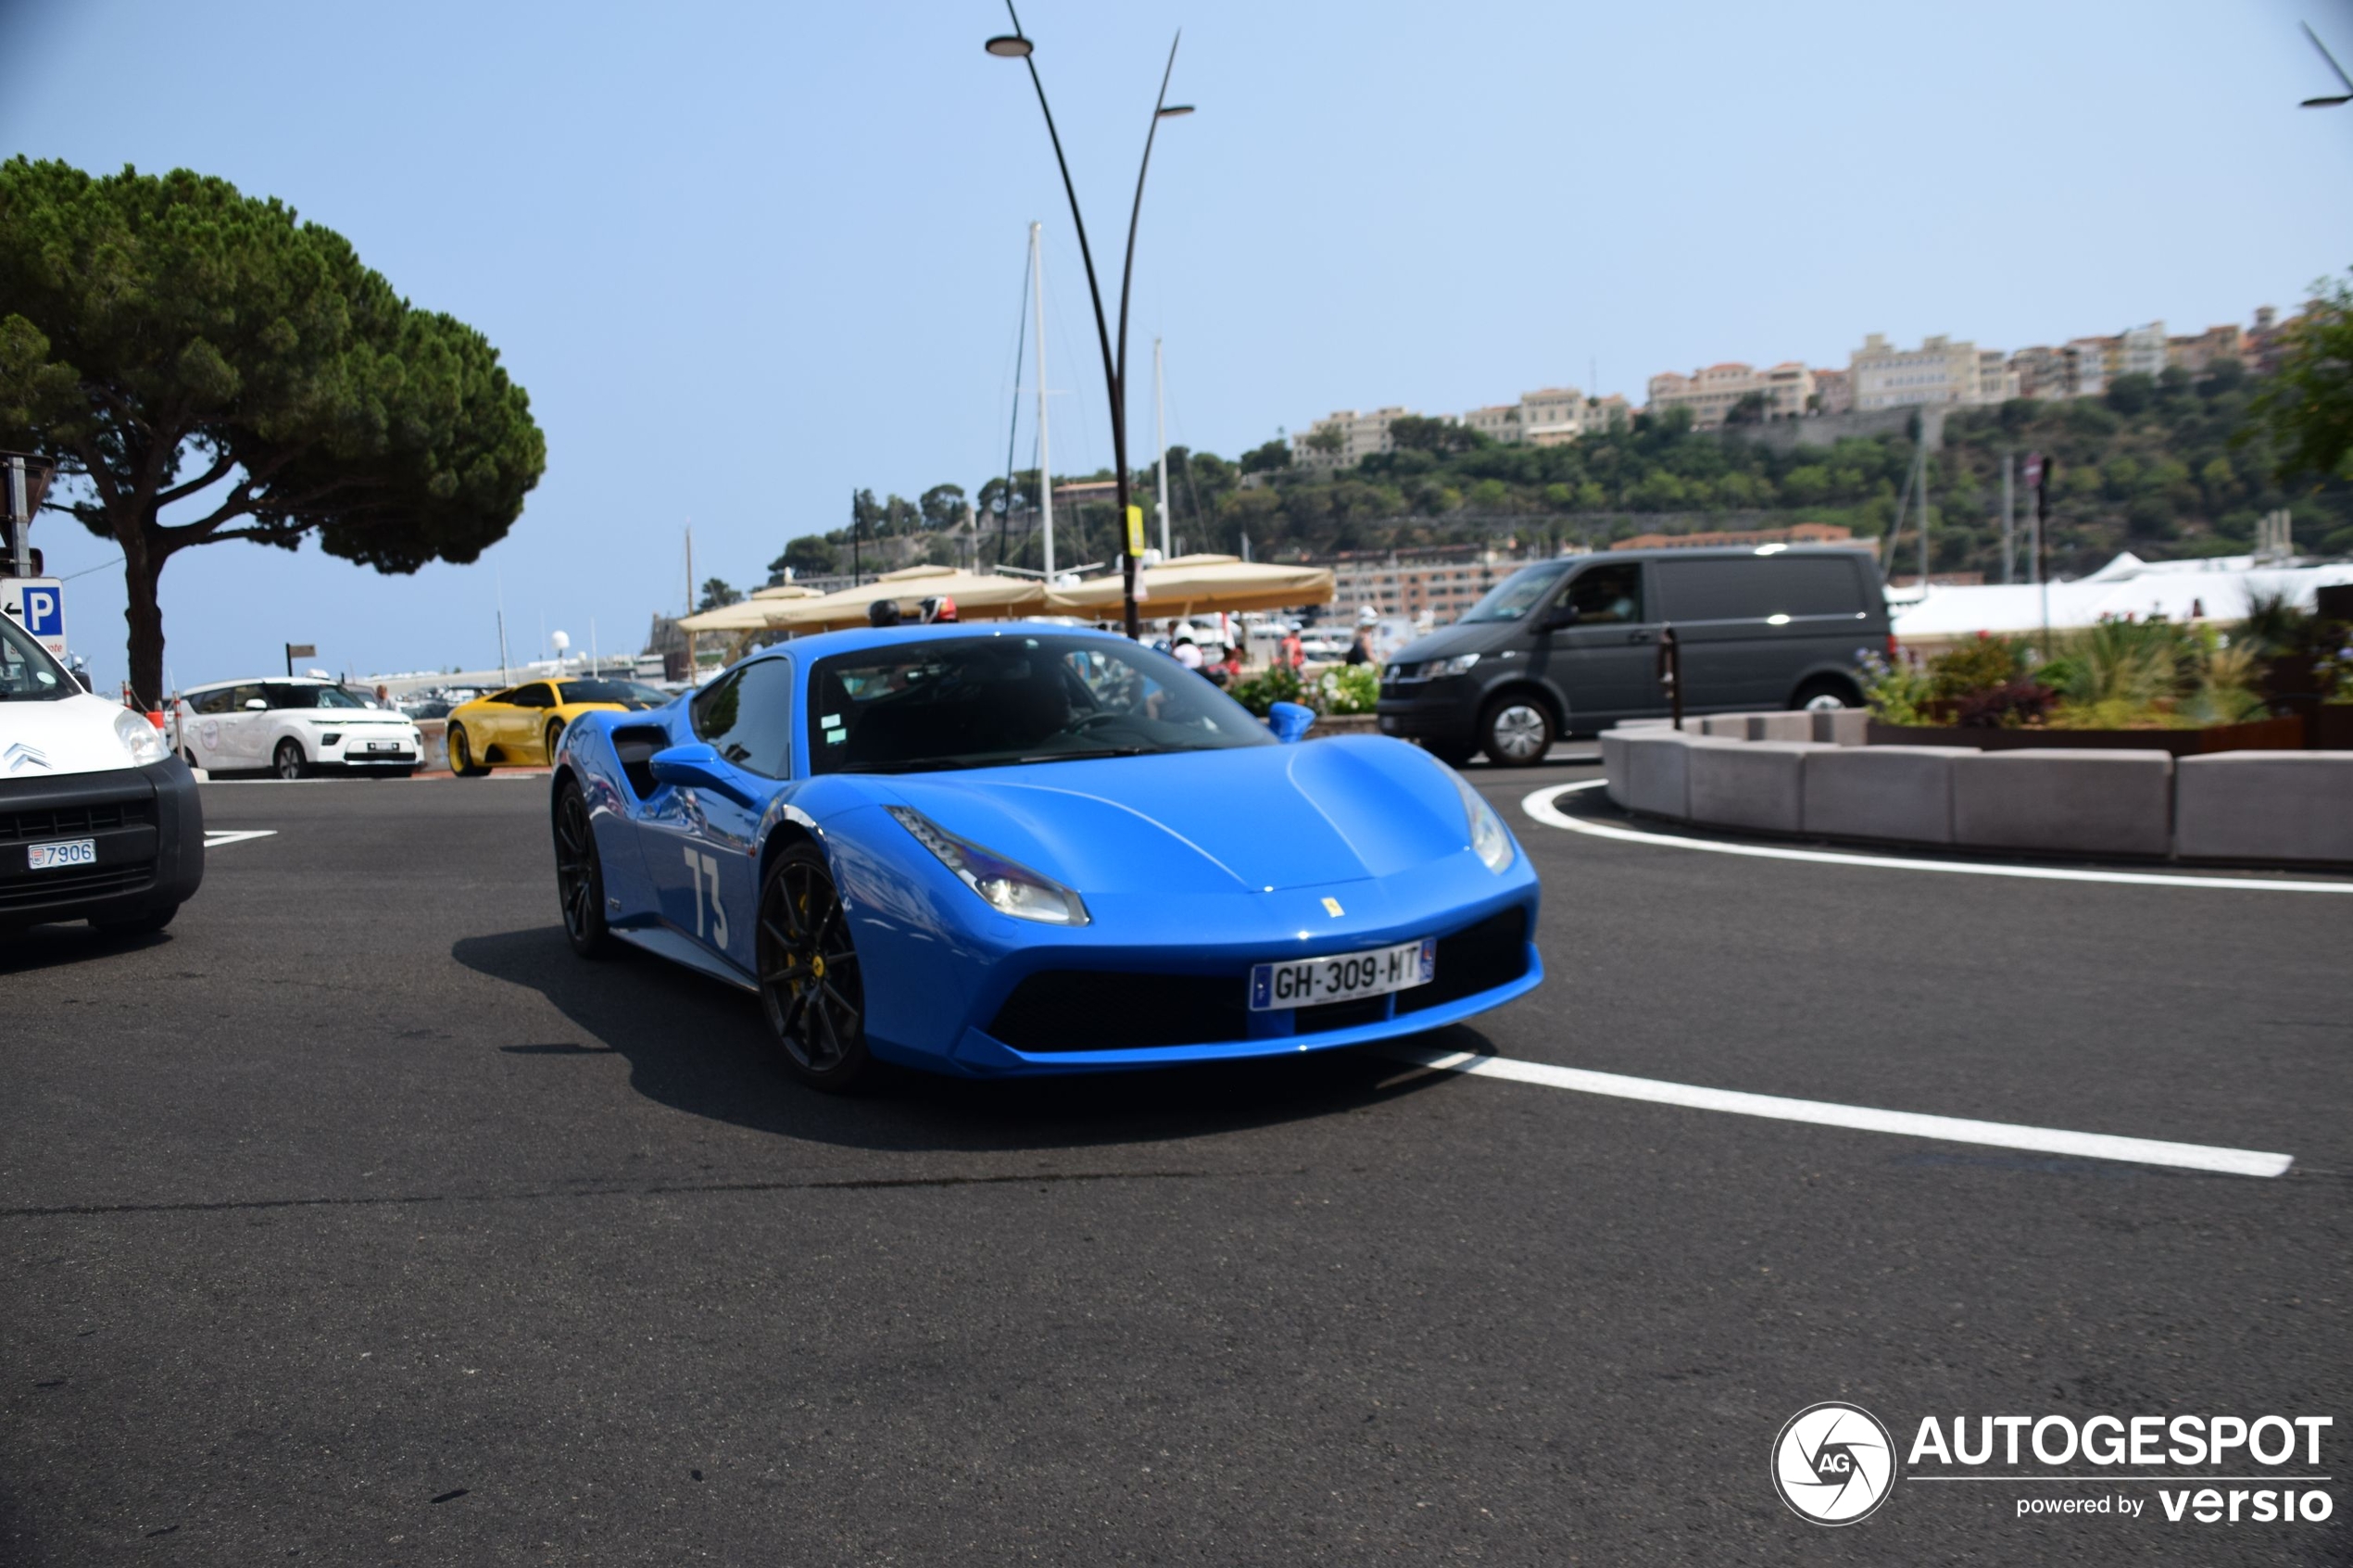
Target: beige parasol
977,598
757,613
1200,585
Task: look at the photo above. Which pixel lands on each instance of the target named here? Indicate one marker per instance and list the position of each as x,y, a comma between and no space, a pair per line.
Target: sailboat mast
1160,434
1045,459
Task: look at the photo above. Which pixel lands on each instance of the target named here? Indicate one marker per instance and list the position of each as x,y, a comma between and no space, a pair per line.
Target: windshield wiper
1090,754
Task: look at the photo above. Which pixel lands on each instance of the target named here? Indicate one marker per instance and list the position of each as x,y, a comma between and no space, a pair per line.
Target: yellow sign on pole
1136,531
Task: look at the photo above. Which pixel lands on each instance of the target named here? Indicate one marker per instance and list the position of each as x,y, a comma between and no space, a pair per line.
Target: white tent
2216,589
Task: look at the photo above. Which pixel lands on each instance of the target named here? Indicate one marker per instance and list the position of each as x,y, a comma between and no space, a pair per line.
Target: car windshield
629,694
280,693
27,672
927,704
1518,594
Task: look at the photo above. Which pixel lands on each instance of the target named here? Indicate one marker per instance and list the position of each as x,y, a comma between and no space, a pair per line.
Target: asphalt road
354,1221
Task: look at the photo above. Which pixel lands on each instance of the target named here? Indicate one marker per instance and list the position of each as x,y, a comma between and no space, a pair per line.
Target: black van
1570,647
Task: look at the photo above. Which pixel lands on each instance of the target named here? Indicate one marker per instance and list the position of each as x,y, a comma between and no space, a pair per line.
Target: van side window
1604,594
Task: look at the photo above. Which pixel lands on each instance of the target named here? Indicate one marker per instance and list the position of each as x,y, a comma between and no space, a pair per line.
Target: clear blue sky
749,258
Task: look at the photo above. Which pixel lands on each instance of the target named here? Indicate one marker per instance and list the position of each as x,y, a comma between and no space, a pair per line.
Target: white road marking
1538,805
1904,1123
215,837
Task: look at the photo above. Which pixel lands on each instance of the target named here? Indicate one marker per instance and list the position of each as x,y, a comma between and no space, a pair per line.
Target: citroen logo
18,757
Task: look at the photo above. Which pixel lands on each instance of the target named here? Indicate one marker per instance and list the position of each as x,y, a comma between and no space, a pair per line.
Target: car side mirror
254,704
1561,617
697,766
1290,721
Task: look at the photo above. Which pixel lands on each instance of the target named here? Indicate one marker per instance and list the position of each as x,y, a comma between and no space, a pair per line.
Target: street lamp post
1017,47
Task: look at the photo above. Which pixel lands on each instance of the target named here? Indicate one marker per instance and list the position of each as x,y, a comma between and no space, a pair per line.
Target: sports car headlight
141,739
1488,837
1458,665
1003,885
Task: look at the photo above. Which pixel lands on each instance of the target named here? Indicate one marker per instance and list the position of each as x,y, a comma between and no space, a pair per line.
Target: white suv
99,821
291,728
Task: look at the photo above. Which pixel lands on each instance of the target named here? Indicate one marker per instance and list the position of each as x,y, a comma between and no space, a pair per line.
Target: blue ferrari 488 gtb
1027,849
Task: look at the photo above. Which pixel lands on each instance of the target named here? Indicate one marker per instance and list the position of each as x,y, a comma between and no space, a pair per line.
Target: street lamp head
1009,47
1173,110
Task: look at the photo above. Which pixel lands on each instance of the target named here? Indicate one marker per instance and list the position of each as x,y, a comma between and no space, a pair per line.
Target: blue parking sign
45,610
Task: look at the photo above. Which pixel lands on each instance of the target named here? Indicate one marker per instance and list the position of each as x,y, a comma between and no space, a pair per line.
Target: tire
286,761
555,732
810,989
1825,693
147,923
1515,731
461,755
580,877
189,756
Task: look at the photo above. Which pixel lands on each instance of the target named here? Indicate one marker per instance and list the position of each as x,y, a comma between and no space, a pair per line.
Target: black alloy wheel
809,987
461,755
287,763
580,875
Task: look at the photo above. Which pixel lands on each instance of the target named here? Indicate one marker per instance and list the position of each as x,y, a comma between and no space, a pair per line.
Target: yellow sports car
519,727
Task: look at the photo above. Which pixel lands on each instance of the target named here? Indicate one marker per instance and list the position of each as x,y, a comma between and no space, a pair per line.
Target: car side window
535,694
747,718
214,702
239,695
1607,594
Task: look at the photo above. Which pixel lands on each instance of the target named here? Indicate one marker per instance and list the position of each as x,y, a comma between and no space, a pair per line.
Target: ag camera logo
1833,1463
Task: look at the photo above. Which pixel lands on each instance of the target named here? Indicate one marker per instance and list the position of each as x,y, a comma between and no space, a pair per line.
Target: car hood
74,736
1244,819
1448,641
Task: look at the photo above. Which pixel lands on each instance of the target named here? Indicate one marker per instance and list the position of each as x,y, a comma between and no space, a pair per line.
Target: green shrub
1275,684
1351,688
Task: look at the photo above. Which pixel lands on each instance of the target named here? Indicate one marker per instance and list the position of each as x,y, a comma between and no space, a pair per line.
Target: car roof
261,680
1731,552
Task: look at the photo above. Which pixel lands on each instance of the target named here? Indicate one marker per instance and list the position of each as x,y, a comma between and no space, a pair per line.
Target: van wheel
1517,731
1826,693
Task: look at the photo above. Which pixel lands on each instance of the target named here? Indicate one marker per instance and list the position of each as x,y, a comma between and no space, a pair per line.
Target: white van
99,821
292,727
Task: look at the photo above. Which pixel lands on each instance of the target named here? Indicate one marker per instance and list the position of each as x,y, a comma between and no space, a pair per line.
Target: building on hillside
2267,341
1713,392
2087,361
1995,382
1939,371
1552,415
2141,351
1499,422
2040,371
1443,580
1350,436
1833,391
2196,355
1594,416
1797,533
1788,388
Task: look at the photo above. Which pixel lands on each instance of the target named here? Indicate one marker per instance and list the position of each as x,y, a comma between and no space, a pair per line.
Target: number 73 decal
705,870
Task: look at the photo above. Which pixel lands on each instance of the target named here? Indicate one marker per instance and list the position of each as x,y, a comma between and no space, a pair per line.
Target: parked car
1033,850
99,821
1570,647
293,728
520,725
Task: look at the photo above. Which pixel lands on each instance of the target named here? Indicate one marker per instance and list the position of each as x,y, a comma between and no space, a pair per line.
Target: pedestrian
1359,652
1185,653
383,698
1233,665
1290,653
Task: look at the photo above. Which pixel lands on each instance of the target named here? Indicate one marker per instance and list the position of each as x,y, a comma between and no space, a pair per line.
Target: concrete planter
2260,735
1346,724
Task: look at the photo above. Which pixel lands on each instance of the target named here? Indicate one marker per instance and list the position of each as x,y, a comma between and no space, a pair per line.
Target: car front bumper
1445,711
146,825
944,977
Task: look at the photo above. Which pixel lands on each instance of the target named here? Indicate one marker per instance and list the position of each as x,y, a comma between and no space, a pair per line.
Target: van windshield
1516,595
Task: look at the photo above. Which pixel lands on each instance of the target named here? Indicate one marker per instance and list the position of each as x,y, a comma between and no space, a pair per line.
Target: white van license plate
61,853
1306,983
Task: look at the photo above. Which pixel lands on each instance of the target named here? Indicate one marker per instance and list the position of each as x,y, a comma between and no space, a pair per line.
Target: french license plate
1306,983
60,853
